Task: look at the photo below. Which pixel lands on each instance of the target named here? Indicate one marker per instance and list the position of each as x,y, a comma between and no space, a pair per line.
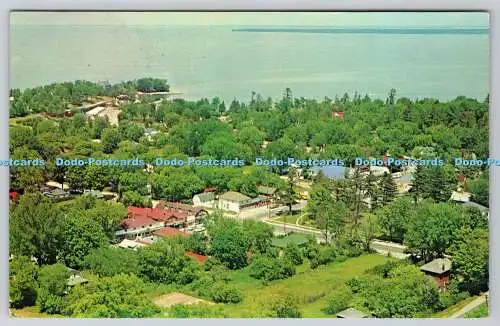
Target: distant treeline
57,97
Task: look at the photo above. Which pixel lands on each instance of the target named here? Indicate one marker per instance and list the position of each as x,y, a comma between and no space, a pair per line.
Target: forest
78,235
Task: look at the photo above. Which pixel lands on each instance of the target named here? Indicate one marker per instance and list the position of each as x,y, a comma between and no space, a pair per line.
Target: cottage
351,313
206,199
75,278
440,270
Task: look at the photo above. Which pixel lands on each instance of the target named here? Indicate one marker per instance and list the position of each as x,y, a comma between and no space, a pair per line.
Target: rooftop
437,266
199,258
266,190
168,232
206,197
351,313
234,196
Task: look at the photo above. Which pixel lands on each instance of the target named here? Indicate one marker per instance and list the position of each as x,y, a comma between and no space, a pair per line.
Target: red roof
338,115
169,232
137,221
199,258
13,195
157,214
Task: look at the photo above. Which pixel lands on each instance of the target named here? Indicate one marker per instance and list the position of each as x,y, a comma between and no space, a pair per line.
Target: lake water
217,61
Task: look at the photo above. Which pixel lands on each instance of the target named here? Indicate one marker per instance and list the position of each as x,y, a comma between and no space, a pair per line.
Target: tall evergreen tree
388,188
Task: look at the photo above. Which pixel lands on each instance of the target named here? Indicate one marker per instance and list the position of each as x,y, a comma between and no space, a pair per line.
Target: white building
232,201
206,199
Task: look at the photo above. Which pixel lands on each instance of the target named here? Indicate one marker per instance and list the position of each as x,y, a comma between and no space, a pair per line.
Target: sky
341,19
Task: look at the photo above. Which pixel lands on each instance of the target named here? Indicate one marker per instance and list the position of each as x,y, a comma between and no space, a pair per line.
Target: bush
285,307
51,304
270,269
225,293
338,301
451,296
384,269
293,253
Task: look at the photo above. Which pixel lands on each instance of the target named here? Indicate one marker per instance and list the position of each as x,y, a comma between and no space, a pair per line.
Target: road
474,304
262,213
384,247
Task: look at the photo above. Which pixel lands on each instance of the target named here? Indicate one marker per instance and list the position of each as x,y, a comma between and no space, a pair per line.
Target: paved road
474,304
384,247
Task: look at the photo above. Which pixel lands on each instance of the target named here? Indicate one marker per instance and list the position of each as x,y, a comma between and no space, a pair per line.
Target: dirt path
470,306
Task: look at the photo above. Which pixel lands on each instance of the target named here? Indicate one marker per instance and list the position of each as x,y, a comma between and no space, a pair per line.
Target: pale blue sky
423,19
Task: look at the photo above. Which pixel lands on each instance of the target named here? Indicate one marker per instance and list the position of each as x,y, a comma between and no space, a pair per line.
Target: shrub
293,253
285,307
270,269
226,293
338,301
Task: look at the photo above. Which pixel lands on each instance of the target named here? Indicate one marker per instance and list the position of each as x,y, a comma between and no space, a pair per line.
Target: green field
298,239
480,312
310,287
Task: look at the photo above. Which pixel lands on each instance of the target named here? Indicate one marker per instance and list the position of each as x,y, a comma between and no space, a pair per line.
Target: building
267,192
404,182
206,199
197,257
94,193
234,201
57,195
440,270
75,278
142,222
168,232
351,313
338,115
194,214
461,197
131,244
330,171
13,195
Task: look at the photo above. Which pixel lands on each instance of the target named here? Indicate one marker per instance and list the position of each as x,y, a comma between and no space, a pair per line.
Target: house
404,182
75,278
330,171
232,201
95,111
206,199
94,193
57,195
461,197
142,222
351,313
168,232
440,270
194,214
131,244
267,192
338,115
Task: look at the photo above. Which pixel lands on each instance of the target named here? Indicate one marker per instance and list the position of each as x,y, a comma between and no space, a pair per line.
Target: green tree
80,234
165,262
394,218
339,300
227,243
470,254
285,307
110,138
480,190
108,261
23,286
258,235
52,280
293,254
35,229
389,190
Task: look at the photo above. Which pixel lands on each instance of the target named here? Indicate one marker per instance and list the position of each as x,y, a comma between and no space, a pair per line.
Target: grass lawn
451,310
480,312
310,287
290,219
32,312
291,238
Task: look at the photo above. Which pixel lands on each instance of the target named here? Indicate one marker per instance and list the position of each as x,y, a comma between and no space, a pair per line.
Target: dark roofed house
266,191
440,270
351,313
57,195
